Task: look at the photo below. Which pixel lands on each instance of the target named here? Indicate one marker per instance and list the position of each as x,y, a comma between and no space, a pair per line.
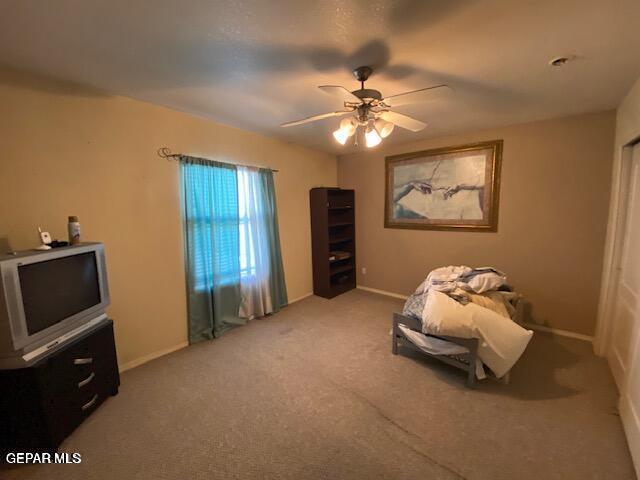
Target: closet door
625,348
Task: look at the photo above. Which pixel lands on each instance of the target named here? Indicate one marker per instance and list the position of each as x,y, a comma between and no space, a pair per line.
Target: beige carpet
314,392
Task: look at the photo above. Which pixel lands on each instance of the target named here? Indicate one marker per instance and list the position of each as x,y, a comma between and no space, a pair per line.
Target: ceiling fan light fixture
383,127
371,137
349,125
341,135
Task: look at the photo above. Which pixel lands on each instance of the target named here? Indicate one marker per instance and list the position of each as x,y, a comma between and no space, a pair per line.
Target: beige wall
72,151
553,208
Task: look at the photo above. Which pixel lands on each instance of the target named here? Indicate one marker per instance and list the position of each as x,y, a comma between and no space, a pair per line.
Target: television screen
56,289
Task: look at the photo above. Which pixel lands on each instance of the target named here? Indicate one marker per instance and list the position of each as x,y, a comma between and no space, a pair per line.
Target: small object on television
45,240
74,230
58,243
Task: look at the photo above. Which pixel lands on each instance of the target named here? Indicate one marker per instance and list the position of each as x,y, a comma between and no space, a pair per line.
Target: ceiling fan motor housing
364,94
368,94
362,73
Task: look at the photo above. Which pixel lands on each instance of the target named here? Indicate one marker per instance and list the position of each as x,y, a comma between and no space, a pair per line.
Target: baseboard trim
300,298
532,326
559,332
631,424
382,292
152,356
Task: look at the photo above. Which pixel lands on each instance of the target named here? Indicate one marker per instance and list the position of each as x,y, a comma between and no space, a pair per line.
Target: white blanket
502,341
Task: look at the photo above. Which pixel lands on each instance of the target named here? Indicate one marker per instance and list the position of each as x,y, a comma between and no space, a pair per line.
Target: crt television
47,297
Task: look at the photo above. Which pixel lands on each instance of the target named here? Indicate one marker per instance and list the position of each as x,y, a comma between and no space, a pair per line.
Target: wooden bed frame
466,361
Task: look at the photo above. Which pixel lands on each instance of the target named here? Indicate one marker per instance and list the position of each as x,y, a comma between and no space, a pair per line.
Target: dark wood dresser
42,404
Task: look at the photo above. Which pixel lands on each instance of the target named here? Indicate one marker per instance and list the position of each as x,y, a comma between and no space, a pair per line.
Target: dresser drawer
93,389
79,378
93,352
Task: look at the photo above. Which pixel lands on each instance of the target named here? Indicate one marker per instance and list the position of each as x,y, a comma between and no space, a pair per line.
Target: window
211,224
251,223
226,225
232,247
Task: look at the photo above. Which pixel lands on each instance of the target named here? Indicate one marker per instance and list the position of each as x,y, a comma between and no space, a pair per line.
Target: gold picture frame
452,188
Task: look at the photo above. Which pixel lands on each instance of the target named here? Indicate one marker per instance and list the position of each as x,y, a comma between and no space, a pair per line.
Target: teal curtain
211,240
276,278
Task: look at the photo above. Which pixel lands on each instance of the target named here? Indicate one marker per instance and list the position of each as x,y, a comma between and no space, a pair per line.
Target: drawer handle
90,403
82,361
82,383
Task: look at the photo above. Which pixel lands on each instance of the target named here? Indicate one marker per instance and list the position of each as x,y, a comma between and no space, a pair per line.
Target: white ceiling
256,64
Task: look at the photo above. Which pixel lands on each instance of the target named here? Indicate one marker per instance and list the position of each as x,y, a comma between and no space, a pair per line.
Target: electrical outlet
364,270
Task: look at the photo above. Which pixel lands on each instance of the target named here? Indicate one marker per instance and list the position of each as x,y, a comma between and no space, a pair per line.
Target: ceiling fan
371,111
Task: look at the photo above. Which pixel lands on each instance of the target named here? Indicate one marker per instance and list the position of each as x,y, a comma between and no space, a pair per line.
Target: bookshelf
333,241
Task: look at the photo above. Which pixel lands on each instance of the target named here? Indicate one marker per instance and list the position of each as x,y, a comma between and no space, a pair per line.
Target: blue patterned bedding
414,306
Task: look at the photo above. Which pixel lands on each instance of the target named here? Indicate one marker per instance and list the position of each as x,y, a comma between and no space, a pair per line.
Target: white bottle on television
74,230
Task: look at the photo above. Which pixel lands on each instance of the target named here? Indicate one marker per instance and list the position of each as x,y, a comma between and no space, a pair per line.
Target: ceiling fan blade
403,121
340,92
315,117
415,96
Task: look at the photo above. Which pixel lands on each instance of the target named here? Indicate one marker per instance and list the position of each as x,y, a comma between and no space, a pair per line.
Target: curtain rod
164,152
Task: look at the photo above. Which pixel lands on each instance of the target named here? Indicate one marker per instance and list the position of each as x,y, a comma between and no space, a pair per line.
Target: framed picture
453,188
